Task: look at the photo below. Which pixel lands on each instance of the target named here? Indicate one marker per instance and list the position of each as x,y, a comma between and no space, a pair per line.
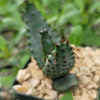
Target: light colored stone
21,75
85,96
78,74
48,83
84,80
78,92
97,73
96,79
26,84
74,70
61,95
36,73
16,87
30,91
92,93
34,82
40,96
20,88
77,97
35,92
84,70
97,62
93,69
33,60
27,76
92,86
52,94
46,97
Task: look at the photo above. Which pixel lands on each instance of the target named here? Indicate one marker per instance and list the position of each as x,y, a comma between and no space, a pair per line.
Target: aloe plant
54,56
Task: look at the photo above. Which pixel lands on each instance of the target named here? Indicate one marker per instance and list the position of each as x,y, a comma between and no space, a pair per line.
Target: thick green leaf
76,35
67,96
35,23
6,80
66,82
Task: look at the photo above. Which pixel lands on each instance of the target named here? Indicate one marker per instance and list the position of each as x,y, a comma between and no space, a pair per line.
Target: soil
87,69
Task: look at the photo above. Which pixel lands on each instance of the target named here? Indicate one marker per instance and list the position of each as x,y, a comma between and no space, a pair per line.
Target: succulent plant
59,58
54,56
35,23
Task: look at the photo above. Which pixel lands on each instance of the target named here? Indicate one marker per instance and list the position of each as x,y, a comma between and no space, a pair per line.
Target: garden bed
87,68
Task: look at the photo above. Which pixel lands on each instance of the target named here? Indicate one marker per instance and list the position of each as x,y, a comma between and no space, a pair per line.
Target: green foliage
5,52
76,35
67,96
69,14
12,18
7,80
11,35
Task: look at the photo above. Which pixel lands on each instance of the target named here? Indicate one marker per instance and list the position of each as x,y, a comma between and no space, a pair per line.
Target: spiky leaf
35,22
60,62
47,42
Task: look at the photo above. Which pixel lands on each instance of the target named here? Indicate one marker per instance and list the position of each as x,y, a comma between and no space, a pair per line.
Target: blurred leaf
11,22
97,21
51,20
80,4
95,6
13,60
76,35
69,7
67,96
20,35
3,43
89,38
68,16
2,55
24,59
52,4
7,80
19,2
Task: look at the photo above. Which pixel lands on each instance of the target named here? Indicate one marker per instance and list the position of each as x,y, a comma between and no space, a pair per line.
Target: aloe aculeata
54,56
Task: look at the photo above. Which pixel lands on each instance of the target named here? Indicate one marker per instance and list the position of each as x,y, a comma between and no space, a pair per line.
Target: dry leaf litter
87,69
